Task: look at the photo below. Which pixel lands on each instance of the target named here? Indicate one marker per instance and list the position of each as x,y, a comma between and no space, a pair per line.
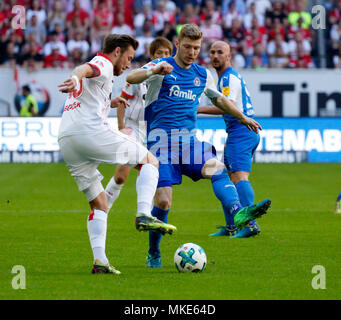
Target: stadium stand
262,33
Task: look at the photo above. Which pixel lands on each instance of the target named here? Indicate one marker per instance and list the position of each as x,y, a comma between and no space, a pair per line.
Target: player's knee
120,179
100,202
151,159
239,176
211,167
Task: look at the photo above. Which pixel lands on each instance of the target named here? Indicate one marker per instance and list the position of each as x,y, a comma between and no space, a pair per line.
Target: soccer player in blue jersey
241,143
175,85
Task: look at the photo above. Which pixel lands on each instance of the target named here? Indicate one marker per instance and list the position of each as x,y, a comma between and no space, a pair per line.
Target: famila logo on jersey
176,92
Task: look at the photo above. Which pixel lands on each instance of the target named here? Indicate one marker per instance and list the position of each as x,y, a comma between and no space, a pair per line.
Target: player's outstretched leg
153,259
112,191
226,192
247,197
247,214
146,186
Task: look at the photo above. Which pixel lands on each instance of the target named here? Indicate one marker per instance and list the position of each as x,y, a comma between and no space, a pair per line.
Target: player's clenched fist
163,68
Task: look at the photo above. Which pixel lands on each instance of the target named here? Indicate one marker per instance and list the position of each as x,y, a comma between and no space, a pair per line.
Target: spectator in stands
277,12
278,52
188,15
142,52
337,58
55,59
231,15
261,6
76,58
236,33
237,59
210,10
29,107
168,31
300,60
11,56
80,44
56,16
302,13
36,10
161,15
335,35
97,35
299,40
59,30
104,10
79,13
32,59
258,58
121,27
38,29
299,28
240,6
210,31
145,14
276,28
55,43
250,15
126,7
77,25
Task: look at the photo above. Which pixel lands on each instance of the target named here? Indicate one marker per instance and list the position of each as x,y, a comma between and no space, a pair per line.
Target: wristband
149,72
77,80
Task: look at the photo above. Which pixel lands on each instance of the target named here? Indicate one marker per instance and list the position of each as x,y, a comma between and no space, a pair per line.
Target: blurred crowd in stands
261,33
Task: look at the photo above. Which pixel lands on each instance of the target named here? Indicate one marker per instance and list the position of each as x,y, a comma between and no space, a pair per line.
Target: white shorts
84,152
139,130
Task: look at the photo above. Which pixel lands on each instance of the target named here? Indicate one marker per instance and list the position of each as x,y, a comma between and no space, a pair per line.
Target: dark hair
26,88
160,42
123,41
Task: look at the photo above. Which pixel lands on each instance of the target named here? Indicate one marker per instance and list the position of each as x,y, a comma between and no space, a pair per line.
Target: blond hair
191,31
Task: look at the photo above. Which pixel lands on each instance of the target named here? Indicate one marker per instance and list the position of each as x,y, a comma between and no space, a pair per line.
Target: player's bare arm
209,110
119,102
121,109
228,107
82,71
137,76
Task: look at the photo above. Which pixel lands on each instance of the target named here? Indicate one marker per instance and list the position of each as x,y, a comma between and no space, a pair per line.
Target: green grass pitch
43,228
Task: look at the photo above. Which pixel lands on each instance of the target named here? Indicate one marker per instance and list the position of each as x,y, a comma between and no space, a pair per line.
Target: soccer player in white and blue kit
175,85
241,143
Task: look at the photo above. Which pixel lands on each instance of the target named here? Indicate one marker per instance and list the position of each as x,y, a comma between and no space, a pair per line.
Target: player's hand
119,101
126,130
163,68
68,85
250,124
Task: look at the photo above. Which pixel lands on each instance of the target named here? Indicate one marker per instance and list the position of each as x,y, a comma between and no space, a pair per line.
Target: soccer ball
190,258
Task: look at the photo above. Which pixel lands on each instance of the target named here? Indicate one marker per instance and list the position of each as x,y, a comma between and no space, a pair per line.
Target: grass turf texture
43,228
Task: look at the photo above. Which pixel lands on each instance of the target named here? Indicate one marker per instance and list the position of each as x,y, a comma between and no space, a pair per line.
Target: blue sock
246,193
226,192
155,238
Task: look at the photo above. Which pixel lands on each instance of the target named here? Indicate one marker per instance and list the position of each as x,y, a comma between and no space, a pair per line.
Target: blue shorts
181,158
240,147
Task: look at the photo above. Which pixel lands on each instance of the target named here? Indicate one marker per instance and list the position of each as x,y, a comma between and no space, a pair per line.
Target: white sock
97,230
146,184
112,192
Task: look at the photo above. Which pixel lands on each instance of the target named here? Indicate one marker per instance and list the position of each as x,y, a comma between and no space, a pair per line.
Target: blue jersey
232,86
172,100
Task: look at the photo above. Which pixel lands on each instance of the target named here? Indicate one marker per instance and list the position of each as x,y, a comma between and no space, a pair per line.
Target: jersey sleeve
150,65
211,90
234,88
102,67
129,91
